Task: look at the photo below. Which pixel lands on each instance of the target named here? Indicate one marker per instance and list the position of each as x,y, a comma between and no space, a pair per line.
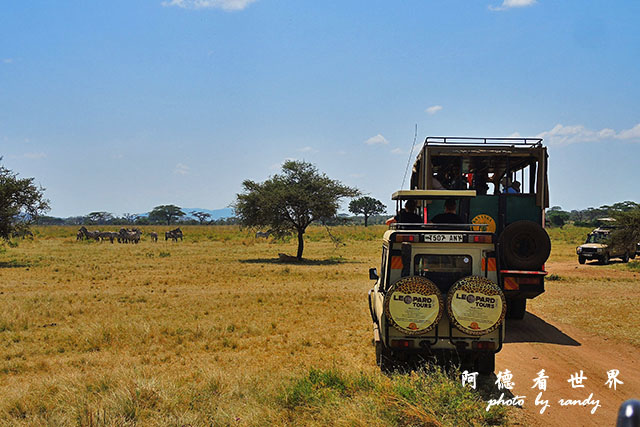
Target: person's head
410,205
450,206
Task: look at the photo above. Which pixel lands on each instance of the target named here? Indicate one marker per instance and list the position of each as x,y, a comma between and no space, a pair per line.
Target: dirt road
562,350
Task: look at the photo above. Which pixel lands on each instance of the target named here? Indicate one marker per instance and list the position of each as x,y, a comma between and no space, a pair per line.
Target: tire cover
414,305
476,305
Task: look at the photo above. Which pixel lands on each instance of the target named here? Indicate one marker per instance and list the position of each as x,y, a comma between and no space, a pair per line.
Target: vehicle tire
384,360
625,257
486,363
516,307
525,245
581,259
605,259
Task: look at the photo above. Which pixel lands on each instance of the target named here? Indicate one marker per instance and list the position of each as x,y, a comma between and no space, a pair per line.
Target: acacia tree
168,213
556,216
366,206
99,217
290,201
627,229
21,202
129,218
203,217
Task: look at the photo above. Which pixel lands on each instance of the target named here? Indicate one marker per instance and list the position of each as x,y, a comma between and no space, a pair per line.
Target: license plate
443,238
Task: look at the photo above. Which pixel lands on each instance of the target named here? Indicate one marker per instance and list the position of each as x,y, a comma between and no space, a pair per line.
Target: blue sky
122,106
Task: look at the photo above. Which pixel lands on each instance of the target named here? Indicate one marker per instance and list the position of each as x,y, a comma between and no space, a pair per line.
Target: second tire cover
476,305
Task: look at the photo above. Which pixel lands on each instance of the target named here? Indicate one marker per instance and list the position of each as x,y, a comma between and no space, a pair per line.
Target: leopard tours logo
416,301
479,300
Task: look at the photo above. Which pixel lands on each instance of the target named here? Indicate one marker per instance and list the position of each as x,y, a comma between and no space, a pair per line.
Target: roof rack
466,140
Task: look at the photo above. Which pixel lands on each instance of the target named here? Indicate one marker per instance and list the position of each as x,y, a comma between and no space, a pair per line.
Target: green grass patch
430,397
634,266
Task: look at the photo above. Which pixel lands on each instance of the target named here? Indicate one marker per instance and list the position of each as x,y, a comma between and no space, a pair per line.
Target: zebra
108,235
129,236
263,234
90,234
154,236
79,236
173,234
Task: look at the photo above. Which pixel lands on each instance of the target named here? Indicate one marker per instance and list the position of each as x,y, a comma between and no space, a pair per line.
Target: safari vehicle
435,295
444,290
509,176
599,247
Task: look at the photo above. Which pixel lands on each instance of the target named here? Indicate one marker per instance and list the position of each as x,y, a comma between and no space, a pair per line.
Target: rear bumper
522,284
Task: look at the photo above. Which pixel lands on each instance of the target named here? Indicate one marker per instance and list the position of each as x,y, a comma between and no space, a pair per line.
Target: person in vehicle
509,186
449,216
406,215
479,183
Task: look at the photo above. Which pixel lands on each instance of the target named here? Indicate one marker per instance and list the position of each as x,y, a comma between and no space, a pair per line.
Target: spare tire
414,305
476,305
525,245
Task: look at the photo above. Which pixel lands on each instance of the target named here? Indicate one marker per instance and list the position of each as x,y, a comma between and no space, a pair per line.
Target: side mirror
373,274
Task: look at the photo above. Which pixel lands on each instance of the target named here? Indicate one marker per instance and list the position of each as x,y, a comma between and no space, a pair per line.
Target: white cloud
398,151
7,61
38,155
378,139
564,135
181,169
633,133
509,4
433,109
228,5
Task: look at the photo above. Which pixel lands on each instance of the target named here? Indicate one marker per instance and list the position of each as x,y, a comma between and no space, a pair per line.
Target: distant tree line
368,211
556,216
160,215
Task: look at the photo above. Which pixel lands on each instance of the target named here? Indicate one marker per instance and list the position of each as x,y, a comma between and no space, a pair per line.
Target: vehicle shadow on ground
611,261
534,329
304,261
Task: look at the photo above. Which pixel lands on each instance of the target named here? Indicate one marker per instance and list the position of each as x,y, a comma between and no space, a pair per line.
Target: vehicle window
443,270
596,238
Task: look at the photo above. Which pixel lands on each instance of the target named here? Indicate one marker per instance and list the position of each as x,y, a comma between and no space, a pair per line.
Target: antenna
415,136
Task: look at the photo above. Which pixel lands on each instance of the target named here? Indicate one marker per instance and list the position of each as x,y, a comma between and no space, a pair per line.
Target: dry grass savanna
214,330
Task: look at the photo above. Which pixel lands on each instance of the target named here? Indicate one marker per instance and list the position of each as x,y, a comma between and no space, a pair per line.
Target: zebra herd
125,235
